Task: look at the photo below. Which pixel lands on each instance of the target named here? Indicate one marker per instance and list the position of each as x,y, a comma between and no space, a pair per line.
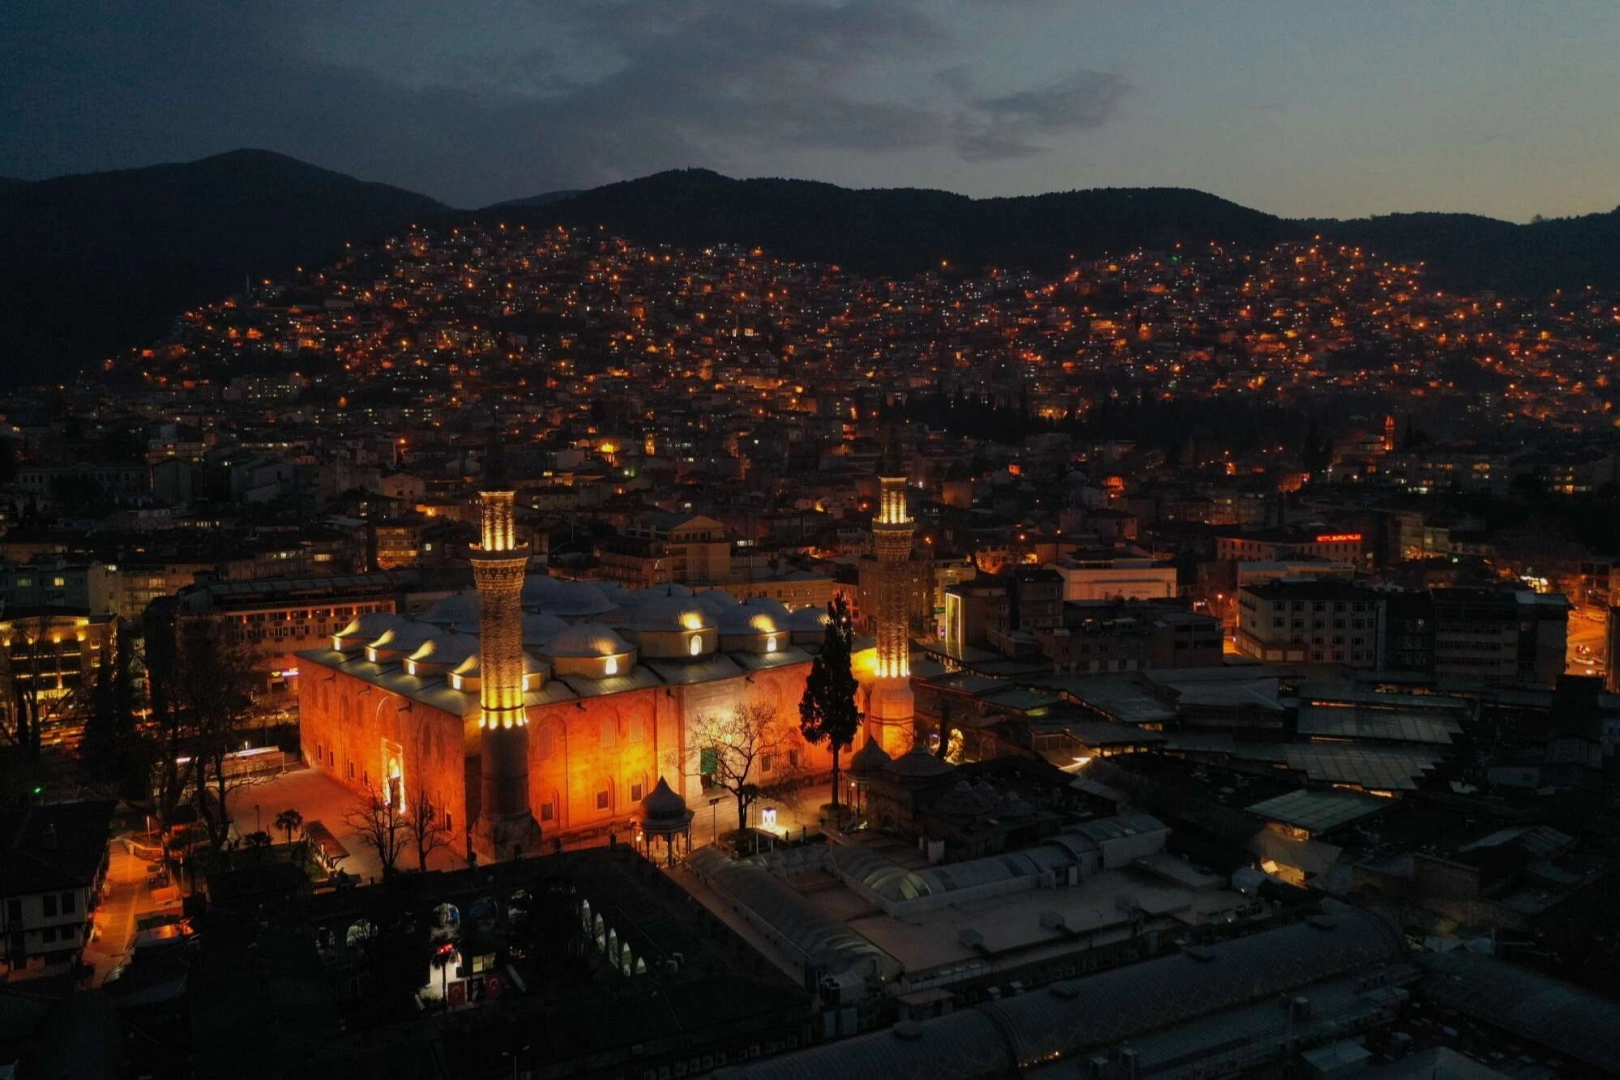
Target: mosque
534,708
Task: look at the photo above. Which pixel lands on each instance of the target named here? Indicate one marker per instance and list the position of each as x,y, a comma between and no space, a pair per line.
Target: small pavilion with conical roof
665,814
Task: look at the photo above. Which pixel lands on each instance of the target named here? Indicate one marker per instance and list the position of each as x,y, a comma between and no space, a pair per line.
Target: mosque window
610,731
604,798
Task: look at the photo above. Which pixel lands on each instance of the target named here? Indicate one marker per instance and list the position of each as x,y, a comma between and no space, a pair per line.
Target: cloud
1016,124
499,101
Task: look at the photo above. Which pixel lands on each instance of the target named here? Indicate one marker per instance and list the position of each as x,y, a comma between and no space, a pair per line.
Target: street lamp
513,1054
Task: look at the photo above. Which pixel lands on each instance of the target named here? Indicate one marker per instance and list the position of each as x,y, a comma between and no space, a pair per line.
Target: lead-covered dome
570,600
366,629
869,760
657,592
400,641
670,627
591,650
715,600
441,655
808,626
586,639
756,626
458,611
669,614
539,628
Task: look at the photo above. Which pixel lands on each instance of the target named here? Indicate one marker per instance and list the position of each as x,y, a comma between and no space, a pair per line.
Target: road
124,899
1588,627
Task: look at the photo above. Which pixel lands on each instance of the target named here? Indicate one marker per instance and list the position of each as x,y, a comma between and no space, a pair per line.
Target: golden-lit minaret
505,825
890,709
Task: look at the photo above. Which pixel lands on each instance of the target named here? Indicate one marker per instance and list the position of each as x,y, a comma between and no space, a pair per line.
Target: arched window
697,645
638,788
610,731
610,666
636,727
604,797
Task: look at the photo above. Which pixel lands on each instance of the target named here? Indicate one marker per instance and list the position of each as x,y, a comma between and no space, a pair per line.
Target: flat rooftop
1016,929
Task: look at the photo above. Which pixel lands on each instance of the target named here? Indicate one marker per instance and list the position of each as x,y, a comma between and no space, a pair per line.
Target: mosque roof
715,600
405,637
446,649
670,614
869,759
587,639
539,628
370,626
554,596
458,610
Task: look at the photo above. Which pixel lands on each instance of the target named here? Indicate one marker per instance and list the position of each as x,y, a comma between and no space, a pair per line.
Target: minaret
890,709
505,825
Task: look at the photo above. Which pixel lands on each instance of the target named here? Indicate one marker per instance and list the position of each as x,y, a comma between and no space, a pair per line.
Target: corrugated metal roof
1362,722
1318,811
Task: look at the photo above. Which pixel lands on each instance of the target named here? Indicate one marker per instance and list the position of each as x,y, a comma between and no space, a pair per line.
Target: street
124,899
1588,628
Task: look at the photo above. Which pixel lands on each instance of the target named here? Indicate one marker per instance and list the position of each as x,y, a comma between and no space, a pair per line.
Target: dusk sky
1300,108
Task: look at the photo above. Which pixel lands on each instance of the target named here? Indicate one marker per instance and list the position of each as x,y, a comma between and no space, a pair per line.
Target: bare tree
214,690
428,828
383,827
754,753
22,669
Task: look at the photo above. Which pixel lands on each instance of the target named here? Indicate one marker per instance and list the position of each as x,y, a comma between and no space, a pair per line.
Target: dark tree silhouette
827,711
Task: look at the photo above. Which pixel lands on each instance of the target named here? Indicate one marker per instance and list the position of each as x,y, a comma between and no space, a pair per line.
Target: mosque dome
669,615
615,592
809,618
715,600
869,759
587,640
566,599
441,654
367,628
745,619
401,640
918,764
539,628
657,592
774,608
458,611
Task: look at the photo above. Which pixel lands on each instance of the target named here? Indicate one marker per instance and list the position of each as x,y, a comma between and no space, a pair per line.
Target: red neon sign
1339,538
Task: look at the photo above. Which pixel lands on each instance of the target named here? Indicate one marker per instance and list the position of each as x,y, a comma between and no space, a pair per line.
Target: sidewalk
125,898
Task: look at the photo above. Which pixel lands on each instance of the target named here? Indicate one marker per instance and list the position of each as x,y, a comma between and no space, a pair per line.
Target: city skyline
1314,113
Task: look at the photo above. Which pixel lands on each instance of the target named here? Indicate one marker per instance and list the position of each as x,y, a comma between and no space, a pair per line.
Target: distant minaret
1389,433
505,825
889,711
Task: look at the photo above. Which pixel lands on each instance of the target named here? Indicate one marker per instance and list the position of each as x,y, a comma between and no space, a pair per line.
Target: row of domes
551,603
666,621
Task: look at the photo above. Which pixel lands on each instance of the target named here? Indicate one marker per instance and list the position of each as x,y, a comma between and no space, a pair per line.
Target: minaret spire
505,826
891,708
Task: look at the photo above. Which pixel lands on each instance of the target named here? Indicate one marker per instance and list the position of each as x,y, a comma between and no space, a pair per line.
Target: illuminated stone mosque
534,708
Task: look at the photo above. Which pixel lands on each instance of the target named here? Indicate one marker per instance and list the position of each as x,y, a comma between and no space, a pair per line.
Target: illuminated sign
1339,538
